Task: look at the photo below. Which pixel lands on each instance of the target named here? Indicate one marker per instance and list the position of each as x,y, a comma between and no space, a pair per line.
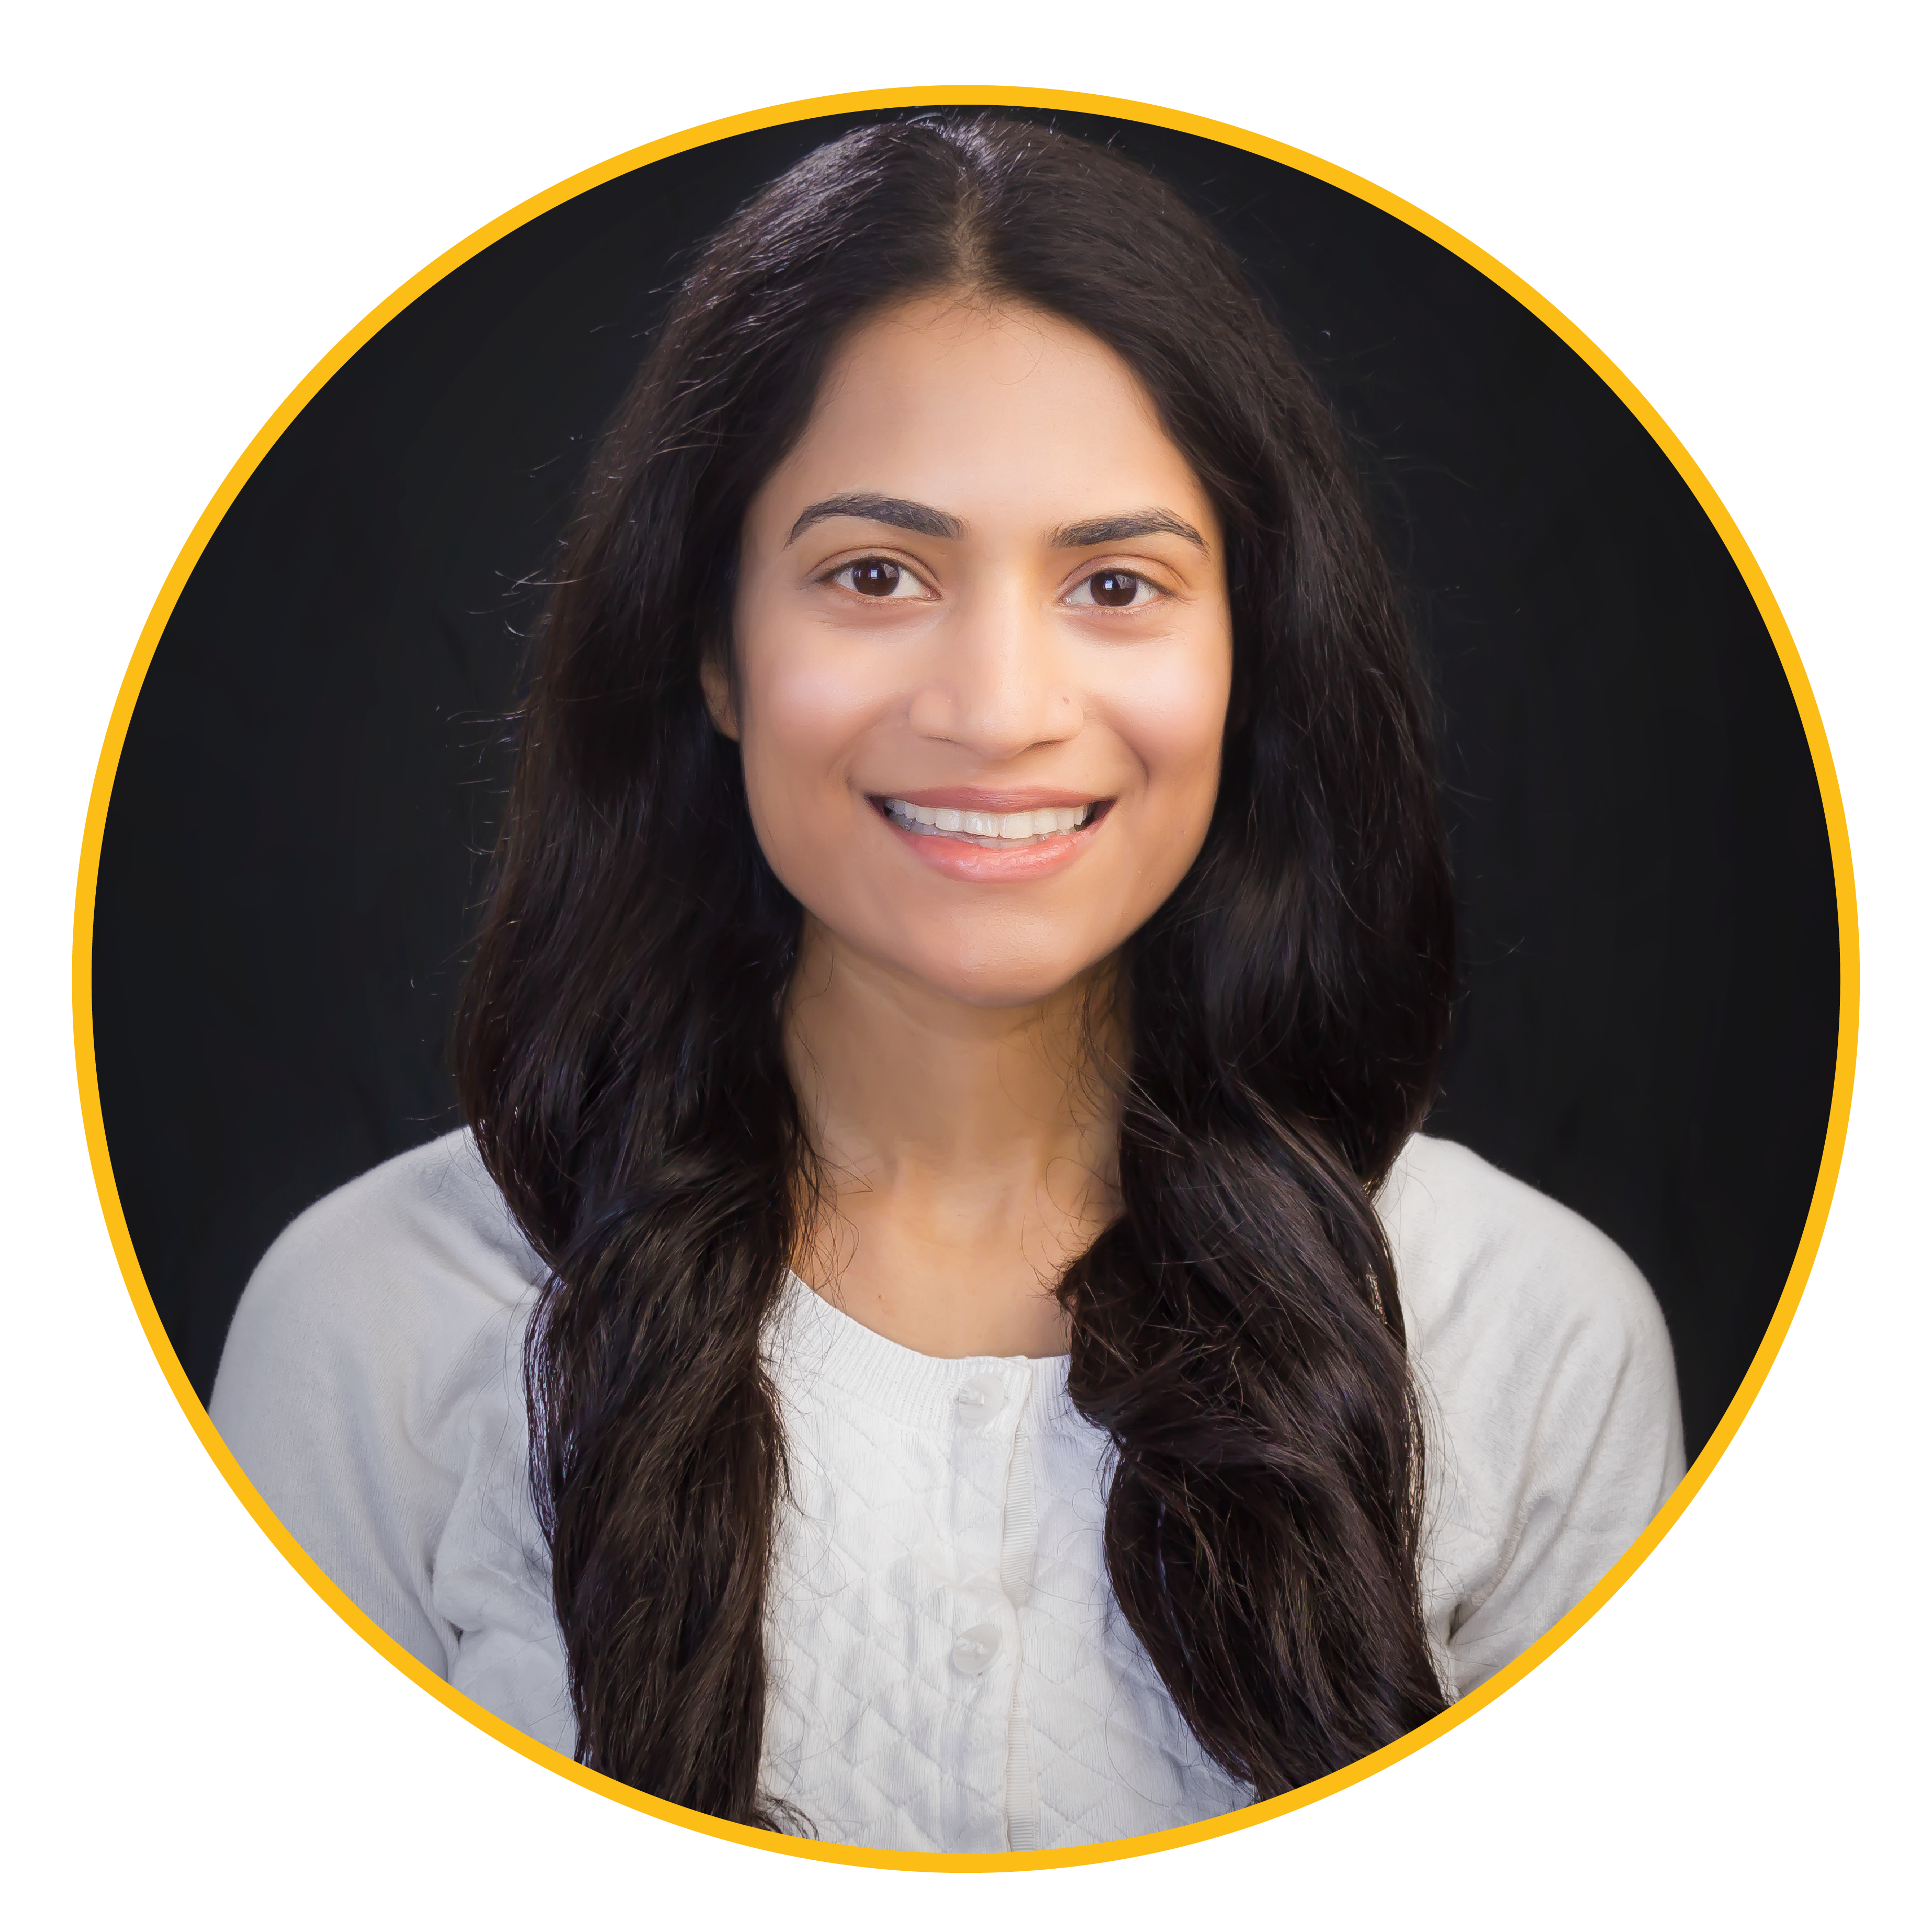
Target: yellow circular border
880,101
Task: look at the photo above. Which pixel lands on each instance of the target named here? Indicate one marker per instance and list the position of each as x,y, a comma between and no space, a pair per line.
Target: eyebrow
924,520
920,518
1118,529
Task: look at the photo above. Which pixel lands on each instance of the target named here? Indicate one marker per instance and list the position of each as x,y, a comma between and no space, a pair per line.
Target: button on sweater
948,1670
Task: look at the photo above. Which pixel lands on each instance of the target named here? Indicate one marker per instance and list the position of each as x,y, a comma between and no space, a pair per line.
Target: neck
967,1152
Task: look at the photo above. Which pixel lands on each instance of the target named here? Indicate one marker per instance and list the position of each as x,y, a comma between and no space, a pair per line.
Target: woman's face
983,653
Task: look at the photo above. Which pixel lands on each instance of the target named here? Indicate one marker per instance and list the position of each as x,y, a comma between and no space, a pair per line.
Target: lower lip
960,859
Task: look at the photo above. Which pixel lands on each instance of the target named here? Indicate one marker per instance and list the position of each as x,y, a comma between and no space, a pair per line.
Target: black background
296,840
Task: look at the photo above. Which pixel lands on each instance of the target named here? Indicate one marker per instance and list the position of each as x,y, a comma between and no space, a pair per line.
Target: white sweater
948,1670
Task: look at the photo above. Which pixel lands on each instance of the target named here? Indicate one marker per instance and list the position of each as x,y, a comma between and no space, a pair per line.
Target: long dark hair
1236,1332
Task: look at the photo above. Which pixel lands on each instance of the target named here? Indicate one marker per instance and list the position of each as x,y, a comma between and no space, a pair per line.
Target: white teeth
991,829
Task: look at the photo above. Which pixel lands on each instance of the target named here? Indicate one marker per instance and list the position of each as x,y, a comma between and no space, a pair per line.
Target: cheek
807,704
801,720
1171,717
809,699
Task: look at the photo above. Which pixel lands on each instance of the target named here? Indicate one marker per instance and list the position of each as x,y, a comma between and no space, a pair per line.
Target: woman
941,1333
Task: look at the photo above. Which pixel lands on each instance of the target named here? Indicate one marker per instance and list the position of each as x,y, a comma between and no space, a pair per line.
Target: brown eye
1113,588
876,577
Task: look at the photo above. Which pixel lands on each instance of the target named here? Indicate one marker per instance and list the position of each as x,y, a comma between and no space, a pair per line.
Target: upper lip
979,798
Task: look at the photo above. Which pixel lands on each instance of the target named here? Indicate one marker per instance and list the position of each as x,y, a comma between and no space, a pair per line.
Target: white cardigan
948,1669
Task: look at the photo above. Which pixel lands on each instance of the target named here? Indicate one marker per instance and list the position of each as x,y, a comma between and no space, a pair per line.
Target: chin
995,984
1005,995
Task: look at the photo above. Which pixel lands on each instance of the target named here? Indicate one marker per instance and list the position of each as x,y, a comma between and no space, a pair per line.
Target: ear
715,682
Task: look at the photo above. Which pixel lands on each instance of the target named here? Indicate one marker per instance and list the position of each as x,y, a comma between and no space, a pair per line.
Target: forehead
1000,415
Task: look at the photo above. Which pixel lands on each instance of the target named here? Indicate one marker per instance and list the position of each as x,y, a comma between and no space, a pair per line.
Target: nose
998,682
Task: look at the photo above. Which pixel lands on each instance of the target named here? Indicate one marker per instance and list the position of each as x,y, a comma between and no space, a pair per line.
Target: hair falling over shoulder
619,1047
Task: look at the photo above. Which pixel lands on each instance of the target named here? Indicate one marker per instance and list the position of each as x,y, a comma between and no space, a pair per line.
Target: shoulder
424,1234
1493,1274
387,1282
435,1201
1545,1372
370,1381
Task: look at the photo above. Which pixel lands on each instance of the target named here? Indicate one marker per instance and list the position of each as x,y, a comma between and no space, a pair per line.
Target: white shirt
948,1671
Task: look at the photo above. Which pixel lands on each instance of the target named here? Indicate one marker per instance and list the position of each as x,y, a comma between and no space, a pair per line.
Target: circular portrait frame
886,101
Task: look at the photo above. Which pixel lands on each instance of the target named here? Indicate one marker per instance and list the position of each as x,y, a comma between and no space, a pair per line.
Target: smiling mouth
998,831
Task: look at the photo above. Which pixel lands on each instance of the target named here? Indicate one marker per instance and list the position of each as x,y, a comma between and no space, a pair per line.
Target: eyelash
1139,577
